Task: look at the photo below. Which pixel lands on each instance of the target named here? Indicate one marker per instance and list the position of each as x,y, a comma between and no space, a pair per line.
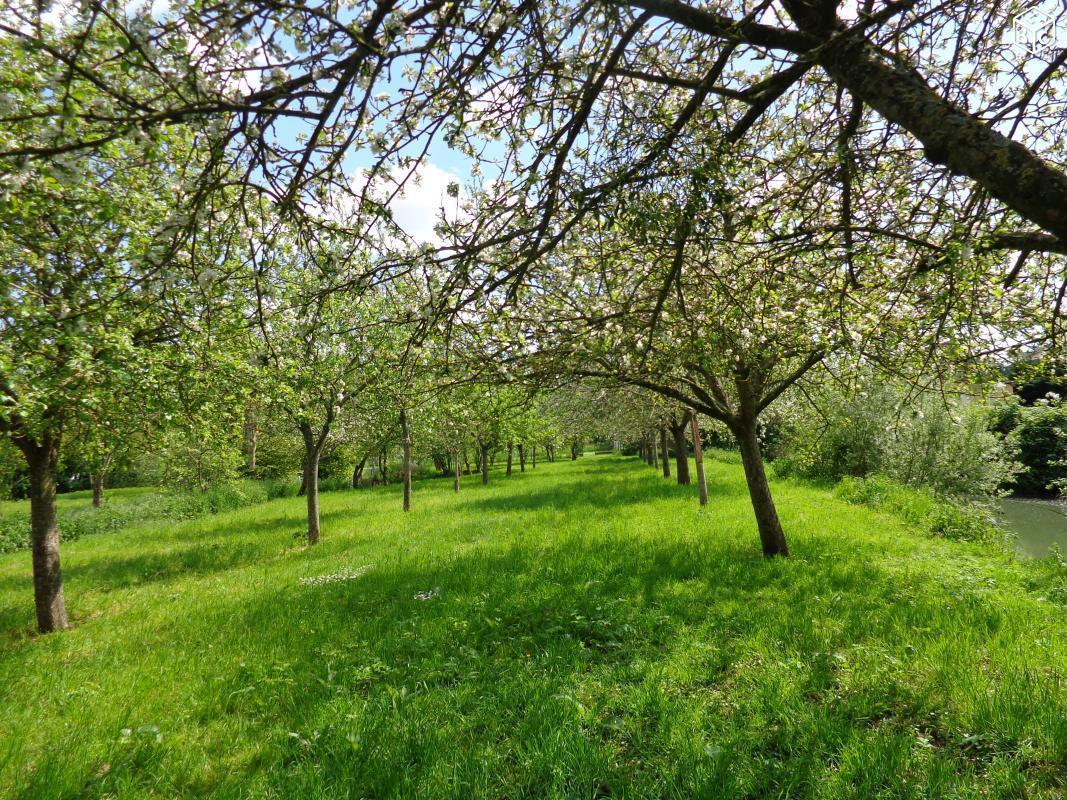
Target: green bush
925,509
1040,438
919,442
281,487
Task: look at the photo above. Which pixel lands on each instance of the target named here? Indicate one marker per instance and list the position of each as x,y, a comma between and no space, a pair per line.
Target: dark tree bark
663,448
357,473
962,142
522,458
99,478
485,464
466,461
507,471
772,537
405,434
950,136
312,453
681,456
698,457
456,466
42,456
574,450
303,490
383,466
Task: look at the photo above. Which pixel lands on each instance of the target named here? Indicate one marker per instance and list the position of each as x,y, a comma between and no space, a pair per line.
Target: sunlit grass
582,630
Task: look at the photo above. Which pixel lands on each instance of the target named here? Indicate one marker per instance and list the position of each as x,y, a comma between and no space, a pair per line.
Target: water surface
1039,525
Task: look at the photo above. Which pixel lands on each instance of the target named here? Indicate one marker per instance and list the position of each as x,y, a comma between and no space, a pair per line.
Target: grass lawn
577,631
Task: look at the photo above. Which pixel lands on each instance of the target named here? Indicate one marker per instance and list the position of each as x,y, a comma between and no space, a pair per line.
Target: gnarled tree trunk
383,466
42,455
663,449
522,458
681,457
357,473
312,454
698,457
772,537
98,478
406,439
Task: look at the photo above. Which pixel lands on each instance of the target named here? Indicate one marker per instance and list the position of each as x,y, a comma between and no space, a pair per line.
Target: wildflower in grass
346,574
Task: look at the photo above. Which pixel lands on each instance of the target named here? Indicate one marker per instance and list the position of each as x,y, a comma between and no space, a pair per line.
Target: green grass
578,631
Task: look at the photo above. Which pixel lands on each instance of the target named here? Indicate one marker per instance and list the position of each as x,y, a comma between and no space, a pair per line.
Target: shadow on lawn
506,637
601,492
376,685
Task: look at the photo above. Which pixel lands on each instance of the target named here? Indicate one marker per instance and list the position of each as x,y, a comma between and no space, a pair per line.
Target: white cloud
418,208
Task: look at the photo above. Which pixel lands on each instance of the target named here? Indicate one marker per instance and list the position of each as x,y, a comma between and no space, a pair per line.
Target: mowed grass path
577,631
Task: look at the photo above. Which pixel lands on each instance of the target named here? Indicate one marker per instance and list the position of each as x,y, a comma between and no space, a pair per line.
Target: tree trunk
522,458
357,473
665,457
312,453
698,457
455,480
772,538
383,466
485,464
681,457
41,458
406,436
574,450
507,472
99,477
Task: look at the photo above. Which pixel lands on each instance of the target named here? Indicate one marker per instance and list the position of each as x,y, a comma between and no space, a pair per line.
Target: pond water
1038,524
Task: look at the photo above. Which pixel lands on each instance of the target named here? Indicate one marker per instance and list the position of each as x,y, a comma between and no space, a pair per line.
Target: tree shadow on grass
560,654
610,494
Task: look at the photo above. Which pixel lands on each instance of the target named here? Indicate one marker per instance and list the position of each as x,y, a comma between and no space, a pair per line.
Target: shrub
281,487
925,509
1041,440
950,450
918,442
